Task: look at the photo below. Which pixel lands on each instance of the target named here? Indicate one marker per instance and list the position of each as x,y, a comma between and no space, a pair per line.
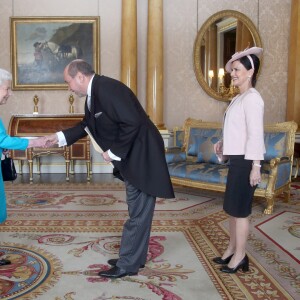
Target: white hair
4,76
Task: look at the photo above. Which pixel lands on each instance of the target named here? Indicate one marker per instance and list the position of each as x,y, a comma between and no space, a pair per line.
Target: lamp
221,74
225,92
210,76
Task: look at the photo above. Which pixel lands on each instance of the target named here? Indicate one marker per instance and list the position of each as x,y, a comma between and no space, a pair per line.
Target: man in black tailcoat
132,143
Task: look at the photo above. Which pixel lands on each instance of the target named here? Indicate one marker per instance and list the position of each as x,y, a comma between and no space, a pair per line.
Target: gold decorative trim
57,58
197,46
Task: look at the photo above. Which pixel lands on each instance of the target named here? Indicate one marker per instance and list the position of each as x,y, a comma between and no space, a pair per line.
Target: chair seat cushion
206,172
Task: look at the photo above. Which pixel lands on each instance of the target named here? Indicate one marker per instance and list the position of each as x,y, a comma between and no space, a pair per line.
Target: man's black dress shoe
243,264
218,260
113,262
4,262
116,272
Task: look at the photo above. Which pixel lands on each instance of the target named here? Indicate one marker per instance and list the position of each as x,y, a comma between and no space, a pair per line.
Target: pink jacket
243,127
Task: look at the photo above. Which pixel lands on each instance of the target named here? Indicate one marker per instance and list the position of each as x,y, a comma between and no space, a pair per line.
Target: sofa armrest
280,172
274,162
174,149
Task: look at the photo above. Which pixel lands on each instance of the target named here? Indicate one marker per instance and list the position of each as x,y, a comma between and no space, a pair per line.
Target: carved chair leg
287,195
270,204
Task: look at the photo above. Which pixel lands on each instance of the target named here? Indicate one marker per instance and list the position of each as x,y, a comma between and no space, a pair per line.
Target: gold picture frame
41,47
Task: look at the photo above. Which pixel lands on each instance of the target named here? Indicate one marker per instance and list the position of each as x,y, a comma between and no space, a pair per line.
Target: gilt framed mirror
223,34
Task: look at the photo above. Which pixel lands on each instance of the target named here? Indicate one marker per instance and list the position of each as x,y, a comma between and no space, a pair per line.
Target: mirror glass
223,34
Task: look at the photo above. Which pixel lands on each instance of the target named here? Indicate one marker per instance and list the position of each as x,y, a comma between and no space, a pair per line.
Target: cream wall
183,95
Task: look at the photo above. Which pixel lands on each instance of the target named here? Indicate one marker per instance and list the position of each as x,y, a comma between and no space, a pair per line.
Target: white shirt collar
89,89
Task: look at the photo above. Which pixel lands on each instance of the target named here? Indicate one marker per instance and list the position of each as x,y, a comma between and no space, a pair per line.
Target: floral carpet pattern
60,236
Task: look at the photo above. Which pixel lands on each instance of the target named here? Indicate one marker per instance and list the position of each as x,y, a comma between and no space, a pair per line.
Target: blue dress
12,143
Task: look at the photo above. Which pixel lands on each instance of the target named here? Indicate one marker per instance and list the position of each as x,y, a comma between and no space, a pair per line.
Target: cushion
205,172
193,144
275,145
175,157
198,133
205,147
179,138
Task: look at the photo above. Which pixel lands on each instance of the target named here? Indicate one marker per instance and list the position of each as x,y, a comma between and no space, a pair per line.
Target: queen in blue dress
9,143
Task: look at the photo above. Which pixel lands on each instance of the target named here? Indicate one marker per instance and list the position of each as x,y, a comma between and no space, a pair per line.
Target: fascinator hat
247,52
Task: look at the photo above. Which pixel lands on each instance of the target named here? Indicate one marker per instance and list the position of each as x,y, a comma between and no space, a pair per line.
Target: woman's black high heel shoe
218,260
243,264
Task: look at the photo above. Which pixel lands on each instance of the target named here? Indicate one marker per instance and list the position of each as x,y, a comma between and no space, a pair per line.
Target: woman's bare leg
232,238
241,237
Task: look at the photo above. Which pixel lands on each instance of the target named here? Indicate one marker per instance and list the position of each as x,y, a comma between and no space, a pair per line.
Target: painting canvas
42,47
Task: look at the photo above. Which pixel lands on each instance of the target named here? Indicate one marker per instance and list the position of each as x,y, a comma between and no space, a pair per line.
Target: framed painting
41,47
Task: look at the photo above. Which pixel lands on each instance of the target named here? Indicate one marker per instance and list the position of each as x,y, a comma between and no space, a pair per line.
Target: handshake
43,142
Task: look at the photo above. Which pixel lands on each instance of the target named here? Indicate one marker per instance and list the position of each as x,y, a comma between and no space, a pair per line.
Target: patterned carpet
60,236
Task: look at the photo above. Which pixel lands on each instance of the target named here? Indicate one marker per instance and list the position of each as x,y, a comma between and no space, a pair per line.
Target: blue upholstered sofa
192,161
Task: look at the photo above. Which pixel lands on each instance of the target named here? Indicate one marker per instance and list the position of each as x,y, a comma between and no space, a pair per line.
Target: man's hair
4,76
79,65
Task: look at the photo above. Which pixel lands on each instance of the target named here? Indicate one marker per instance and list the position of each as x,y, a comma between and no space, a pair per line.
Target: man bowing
131,142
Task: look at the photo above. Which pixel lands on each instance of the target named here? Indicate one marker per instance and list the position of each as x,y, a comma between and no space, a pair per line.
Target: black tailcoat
118,122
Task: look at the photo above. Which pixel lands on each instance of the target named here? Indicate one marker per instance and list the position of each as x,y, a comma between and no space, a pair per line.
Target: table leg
38,165
88,169
20,166
67,170
30,170
72,166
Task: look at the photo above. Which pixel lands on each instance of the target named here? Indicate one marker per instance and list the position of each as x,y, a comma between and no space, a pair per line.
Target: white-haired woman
8,142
